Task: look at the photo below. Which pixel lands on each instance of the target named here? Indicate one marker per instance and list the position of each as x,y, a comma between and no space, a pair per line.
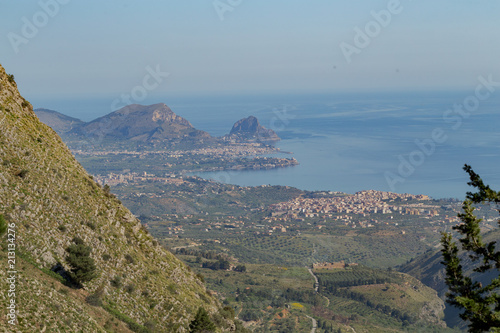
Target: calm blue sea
402,142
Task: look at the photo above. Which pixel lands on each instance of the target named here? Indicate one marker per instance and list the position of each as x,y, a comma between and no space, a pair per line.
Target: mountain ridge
59,122
136,122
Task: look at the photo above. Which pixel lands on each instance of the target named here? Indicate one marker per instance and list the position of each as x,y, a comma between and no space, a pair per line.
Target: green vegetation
83,268
3,225
480,301
274,297
116,281
95,299
331,281
240,219
132,324
216,265
201,323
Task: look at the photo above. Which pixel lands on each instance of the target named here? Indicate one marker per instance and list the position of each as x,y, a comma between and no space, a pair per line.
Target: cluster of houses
134,177
363,203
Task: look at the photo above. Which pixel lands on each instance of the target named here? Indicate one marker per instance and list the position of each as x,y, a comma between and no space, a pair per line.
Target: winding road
314,322
316,287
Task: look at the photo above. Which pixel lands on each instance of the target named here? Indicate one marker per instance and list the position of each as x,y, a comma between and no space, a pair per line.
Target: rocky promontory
249,129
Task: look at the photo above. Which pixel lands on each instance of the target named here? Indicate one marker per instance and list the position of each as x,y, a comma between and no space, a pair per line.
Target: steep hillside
428,269
49,199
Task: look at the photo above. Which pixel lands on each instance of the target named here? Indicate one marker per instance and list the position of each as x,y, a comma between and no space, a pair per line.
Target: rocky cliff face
248,129
49,199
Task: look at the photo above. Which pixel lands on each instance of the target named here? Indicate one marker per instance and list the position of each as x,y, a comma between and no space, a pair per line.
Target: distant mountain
428,268
149,124
249,129
58,121
51,203
152,123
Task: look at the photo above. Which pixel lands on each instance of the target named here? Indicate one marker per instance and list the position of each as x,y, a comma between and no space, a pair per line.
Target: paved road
316,284
327,301
314,322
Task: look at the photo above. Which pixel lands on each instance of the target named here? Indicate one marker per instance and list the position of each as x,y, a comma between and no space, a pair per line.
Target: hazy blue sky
91,47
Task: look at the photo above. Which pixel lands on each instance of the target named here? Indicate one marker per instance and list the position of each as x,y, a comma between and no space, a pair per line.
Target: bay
355,142
349,142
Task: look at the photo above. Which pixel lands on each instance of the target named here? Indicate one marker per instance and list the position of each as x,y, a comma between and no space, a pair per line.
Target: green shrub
228,312
83,268
116,281
130,259
95,299
132,325
130,288
22,173
107,191
150,325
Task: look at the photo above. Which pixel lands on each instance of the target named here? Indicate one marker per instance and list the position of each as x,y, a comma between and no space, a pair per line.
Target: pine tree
83,268
480,303
3,225
201,323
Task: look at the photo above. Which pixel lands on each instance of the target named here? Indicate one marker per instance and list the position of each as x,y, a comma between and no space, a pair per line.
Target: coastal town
171,166
171,172
226,150
362,203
